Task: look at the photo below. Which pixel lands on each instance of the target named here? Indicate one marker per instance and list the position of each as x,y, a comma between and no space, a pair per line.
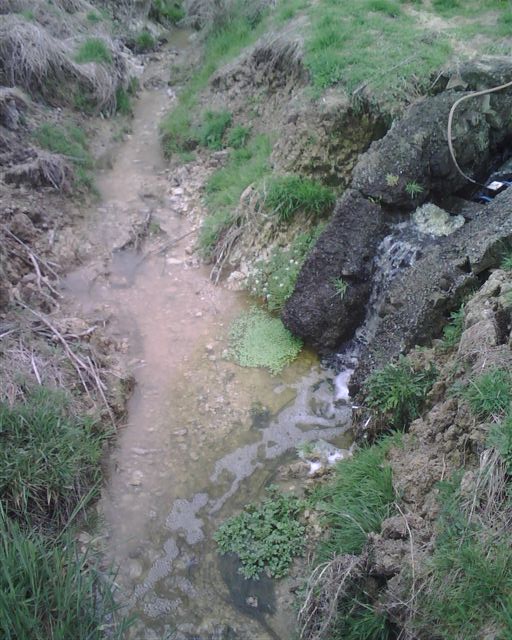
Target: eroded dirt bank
203,436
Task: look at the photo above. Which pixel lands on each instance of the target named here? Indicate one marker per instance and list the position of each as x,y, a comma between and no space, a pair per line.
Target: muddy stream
203,436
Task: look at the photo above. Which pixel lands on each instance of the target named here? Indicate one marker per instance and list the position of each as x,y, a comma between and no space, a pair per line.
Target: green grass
144,41
396,392
225,186
356,501
123,102
471,577
94,17
167,11
489,395
238,137
265,536
500,437
70,141
273,280
93,50
506,261
284,196
50,591
257,339
214,126
453,330
49,459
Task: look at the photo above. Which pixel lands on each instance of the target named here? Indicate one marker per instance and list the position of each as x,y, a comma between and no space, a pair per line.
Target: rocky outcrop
344,251
410,165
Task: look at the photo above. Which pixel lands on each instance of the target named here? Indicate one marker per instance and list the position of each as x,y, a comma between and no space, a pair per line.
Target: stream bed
203,436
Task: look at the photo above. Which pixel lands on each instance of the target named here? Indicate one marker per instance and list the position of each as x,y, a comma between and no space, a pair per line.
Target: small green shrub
413,188
285,195
265,537
340,287
71,142
211,132
489,396
238,137
50,590
273,280
94,50
48,457
356,501
259,340
144,41
167,11
397,392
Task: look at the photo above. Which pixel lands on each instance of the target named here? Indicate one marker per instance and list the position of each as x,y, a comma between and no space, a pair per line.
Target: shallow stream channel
203,437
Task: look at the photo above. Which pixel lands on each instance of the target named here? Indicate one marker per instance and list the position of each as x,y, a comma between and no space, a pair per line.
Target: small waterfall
399,250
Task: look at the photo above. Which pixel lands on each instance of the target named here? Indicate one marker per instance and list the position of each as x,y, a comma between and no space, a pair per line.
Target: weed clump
265,537
144,41
167,11
94,50
211,132
490,395
397,392
452,332
259,340
273,280
285,195
238,137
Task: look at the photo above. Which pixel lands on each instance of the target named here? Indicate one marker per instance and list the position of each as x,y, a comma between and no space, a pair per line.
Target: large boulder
318,311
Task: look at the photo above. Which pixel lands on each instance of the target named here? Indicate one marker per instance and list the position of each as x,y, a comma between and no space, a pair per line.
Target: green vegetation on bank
49,471
259,340
167,11
94,50
286,195
396,392
69,141
265,537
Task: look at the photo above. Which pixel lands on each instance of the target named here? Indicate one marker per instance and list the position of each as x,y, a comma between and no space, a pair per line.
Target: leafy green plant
489,395
391,180
50,590
265,537
285,195
340,287
397,392
259,340
48,457
211,132
94,50
413,188
453,330
238,137
356,500
506,261
273,280
71,142
144,41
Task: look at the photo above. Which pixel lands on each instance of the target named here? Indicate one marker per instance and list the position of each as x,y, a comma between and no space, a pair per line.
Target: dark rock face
345,250
436,284
409,165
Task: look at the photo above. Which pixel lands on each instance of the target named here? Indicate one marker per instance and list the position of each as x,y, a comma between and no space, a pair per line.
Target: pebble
136,479
199,314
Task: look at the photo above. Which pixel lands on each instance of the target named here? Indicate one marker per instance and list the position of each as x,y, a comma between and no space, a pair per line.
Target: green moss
259,340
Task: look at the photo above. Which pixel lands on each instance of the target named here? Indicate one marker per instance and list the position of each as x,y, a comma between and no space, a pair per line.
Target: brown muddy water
204,437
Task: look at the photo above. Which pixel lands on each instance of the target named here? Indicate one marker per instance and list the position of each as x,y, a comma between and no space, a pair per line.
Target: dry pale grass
43,65
43,170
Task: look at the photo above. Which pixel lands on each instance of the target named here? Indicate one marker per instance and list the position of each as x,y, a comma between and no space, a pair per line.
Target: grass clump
51,591
144,41
238,137
500,437
273,280
225,186
453,330
259,340
94,50
285,195
69,141
471,576
123,102
506,261
213,128
397,392
356,501
167,11
48,457
489,396
265,537
94,17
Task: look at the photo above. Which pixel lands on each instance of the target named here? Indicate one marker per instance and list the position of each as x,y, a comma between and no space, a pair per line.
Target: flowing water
203,436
